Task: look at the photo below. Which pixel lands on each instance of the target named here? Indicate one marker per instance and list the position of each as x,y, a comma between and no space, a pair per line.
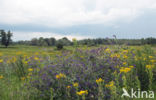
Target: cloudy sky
78,18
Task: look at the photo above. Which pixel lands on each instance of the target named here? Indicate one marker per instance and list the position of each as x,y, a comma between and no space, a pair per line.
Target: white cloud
60,13
29,35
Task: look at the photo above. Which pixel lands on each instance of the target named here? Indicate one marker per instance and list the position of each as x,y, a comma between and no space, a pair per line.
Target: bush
59,46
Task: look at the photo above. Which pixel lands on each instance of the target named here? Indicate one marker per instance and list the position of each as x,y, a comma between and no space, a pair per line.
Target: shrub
59,46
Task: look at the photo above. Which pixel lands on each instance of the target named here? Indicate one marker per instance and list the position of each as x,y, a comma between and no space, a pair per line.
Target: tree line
89,42
5,39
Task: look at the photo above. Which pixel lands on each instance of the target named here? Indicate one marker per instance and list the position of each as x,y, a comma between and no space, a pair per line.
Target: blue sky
80,19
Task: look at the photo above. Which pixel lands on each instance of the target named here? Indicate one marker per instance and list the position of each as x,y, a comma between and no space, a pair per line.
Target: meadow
77,72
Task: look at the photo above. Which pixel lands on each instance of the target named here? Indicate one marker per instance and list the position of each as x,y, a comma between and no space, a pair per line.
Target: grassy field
75,73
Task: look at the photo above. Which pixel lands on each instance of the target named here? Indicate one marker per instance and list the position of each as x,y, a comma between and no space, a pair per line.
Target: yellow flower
124,70
110,84
68,87
124,63
117,55
25,62
1,77
1,60
8,62
149,66
152,61
108,50
114,72
150,57
99,80
22,78
30,69
62,75
131,66
75,84
82,92
58,76
136,58
125,56
125,51
14,59
36,58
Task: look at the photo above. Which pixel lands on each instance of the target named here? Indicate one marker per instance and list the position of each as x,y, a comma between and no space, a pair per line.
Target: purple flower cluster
83,67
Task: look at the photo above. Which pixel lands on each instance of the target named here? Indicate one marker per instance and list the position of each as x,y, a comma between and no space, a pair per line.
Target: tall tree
5,38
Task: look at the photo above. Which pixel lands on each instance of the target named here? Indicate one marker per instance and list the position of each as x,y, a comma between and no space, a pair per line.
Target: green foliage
59,45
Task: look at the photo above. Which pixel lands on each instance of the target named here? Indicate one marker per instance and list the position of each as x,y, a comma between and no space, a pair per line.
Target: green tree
34,41
52,41
5,38
42,42
65,41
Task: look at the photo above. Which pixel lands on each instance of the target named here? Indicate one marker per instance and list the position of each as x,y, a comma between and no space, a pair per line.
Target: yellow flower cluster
131,66
25,62
29,75
1,60
99,80
23,78
124,63
68,87
75,84
125,51
36,58
58,76
149,66
152,61
124,70
115,55
30,69
1,77
151,57
110,84
82,92
108,50
12,60
125,57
